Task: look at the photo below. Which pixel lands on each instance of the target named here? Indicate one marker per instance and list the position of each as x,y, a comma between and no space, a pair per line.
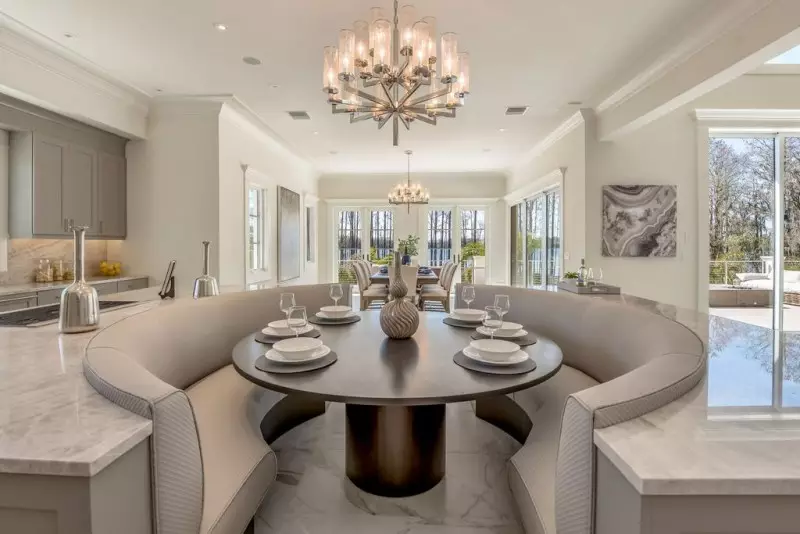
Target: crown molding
715,22
559,133
551,179
748,115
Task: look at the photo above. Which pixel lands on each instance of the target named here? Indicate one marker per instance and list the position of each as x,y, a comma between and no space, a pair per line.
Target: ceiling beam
765,33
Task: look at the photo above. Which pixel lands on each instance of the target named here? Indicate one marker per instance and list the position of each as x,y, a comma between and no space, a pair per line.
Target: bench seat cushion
532,471
238,466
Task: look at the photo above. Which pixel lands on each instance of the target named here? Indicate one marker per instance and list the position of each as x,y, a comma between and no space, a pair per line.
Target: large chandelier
405,193
391,70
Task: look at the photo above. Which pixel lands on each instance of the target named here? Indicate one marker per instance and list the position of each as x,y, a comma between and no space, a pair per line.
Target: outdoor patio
761,316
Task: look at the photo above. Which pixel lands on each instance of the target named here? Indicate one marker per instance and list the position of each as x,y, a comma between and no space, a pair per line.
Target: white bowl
336,312
282,328
468,314
494,350
298,348
509,328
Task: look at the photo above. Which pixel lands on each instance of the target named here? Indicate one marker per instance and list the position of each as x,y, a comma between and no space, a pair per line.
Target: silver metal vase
205,285
80,306
399,317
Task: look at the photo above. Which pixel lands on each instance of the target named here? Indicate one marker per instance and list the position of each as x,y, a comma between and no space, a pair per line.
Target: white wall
449,189
242,142
4,200
173,195
666,151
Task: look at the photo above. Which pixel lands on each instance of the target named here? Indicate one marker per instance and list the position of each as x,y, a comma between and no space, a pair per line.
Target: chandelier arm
357,109
395,131
430,96
361,118
371,82
366,96
424,118
384,118
405,121
409,93
389,99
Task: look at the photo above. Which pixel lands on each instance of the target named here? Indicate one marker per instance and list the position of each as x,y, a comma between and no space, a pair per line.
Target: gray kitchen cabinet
50,296
111,197
106,288
130,285
19,301
54,184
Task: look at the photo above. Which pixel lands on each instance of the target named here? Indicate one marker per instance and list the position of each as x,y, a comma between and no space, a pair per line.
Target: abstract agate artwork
640,220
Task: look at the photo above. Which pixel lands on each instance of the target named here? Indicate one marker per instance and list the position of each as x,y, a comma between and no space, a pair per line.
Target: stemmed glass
492,320
336,293
468,294
598,276
297,319
590,279
503,303
287,302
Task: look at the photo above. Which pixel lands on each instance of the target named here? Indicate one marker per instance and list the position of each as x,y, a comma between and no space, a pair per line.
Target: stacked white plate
467,315
335,312
507,331
297,350
495,352
281,329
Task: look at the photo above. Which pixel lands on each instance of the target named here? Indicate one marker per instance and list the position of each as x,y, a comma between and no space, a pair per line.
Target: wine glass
297,319
598,275
492,319
468,294
336,293
590,280
287,301
503,302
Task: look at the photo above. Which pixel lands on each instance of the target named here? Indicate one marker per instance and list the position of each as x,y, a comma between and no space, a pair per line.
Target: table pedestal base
395,451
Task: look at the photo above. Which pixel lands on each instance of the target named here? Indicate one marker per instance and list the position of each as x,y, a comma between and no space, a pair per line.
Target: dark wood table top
375,370
421,279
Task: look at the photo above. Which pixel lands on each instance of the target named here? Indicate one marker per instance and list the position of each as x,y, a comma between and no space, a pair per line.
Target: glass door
348,243
553,242
518,245
536,241
440,236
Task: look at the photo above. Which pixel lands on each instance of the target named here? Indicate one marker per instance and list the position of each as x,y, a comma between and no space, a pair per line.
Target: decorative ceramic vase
406,259
399,317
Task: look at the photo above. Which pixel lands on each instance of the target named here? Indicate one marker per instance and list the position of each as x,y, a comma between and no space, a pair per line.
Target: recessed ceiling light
487,149
159,90
502,130
220,27
316,133
574,103
333,152
250,60
69,35
274,86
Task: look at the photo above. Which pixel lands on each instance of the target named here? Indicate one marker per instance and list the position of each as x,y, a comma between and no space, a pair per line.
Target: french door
458,233
536,241
362,233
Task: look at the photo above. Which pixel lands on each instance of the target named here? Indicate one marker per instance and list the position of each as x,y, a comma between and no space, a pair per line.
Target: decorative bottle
80,307
583,273
205,285
399,317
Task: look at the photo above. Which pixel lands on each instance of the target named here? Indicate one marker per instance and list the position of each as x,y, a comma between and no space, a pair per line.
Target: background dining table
383,278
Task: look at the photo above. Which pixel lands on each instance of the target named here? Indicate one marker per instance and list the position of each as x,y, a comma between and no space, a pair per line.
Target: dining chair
369,292
440,293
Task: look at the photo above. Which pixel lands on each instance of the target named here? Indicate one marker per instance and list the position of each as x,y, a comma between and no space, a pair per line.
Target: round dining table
395,392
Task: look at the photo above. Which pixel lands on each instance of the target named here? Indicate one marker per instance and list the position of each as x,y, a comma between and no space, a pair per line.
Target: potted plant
408,247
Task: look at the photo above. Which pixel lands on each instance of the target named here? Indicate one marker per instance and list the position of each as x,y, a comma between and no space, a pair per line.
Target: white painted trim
748,115
551,179
559,133
717,21
781,69
701,196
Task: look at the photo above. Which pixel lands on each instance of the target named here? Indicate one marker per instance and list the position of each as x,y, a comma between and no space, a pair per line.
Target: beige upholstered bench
211,467
619,363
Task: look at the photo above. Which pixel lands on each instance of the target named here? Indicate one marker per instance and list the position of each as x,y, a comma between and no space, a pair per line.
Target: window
348,244
473,228
256,228
381,238
311,234
536,241
440,244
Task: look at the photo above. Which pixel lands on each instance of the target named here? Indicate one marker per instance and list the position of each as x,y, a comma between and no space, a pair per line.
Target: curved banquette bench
619,363
210,465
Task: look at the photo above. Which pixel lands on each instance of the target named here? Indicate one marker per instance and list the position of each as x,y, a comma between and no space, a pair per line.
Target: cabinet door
77,191
49,167
18,302
111,198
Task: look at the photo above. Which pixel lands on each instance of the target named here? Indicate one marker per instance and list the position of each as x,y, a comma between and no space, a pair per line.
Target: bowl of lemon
110,268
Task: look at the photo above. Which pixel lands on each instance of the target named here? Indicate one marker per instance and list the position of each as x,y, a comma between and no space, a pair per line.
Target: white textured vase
399,317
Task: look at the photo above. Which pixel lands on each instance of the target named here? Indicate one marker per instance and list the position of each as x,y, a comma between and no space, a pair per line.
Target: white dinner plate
323,315
269,331
515,358
468,317
276,356
513,335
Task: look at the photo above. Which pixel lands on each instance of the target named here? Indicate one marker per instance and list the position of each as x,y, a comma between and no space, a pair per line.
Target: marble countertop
14,289
737,433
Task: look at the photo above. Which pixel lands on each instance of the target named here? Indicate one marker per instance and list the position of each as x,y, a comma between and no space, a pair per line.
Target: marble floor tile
312,494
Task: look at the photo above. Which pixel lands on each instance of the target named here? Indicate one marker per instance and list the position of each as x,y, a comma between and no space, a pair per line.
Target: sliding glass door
536,241
348,243
458,233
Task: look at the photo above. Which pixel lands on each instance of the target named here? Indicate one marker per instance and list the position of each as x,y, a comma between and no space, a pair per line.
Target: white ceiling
542,53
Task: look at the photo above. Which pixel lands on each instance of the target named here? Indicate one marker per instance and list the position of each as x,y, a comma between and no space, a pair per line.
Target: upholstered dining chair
440,292
369,292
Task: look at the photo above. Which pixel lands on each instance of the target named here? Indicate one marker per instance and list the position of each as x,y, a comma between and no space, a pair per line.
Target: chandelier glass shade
395,69
408,194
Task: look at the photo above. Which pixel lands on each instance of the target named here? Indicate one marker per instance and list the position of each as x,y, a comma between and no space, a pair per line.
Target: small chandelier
405,193
396,63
